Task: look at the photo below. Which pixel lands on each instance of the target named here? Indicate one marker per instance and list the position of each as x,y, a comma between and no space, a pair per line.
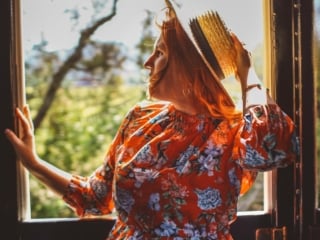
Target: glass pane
74,130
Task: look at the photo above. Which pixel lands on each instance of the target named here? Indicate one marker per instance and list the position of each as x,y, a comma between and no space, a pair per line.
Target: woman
177,165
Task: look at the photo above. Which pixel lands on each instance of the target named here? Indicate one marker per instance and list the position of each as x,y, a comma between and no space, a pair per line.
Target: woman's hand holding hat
243,61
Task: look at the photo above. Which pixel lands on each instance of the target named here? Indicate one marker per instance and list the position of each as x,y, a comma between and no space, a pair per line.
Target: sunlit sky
46,19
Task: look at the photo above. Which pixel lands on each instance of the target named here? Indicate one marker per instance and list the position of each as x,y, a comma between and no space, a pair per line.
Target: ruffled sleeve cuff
89,196
266,139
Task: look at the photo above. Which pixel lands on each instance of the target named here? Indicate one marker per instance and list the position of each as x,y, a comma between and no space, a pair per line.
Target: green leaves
76,133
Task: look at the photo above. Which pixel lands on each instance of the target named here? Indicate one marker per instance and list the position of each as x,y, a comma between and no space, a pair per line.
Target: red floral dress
170,175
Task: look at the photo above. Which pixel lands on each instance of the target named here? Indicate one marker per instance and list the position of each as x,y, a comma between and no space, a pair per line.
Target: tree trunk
74,57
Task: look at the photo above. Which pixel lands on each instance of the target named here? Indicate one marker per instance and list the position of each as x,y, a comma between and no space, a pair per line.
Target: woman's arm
54,178
253,92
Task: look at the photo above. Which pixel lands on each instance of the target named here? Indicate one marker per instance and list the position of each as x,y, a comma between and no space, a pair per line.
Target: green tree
147,39
78,99
72,122
76,133
72,59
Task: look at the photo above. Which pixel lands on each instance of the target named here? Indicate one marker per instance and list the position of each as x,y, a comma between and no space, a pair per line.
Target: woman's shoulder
148,109
150,106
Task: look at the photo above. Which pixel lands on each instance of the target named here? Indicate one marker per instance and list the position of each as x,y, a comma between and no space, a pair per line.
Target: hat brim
212,39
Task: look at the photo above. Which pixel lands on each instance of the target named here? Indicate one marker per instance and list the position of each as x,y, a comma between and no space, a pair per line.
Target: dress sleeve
93,195
266,139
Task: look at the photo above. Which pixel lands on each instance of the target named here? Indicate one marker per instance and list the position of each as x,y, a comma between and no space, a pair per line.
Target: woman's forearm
25,149
253,93
53,177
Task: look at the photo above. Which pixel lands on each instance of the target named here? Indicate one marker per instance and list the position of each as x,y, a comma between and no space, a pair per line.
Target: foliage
76,133
147,39
74,56
78,98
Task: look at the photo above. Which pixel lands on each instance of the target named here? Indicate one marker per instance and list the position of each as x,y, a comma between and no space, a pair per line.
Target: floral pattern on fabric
170,175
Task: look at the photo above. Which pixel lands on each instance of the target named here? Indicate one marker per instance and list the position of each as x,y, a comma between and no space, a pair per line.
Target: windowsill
85,219
252,213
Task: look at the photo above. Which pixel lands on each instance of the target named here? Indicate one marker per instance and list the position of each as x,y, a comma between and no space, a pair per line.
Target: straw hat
210,36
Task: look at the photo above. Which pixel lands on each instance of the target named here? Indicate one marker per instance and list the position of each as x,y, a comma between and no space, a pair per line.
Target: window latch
276,233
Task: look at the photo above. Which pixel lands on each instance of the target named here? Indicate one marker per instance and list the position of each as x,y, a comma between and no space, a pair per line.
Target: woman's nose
148,63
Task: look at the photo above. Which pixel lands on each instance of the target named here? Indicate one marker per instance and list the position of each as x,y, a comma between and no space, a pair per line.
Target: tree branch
74,57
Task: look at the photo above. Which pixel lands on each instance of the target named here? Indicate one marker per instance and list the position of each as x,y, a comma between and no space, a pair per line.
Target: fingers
243,56
239,46
27,129
236,41
24,118
12,137
26,112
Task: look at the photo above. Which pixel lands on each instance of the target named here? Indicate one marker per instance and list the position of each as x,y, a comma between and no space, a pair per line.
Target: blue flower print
269,142
154,201
275,155
163,116
137,235
161,157
210,160
200,126
183,164
145,155
248,122
193,233
141,175
209,198
253,158
234,179
139,132
99,187
167,228
124,200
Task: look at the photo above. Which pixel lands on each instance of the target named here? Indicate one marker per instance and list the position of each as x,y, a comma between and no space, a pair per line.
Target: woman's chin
155,91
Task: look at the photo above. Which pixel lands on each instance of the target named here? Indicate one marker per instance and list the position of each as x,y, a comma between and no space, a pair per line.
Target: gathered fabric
170,175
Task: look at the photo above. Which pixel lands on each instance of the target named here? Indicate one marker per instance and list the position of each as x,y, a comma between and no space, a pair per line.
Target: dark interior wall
8,202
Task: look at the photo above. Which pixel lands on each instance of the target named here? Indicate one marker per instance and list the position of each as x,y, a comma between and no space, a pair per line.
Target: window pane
94,94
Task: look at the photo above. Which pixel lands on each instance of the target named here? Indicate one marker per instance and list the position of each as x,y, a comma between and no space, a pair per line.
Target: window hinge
276,233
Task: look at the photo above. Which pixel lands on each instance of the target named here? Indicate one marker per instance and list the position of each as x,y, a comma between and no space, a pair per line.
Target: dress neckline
186,117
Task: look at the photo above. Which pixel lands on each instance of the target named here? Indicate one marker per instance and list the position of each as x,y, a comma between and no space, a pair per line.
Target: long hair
210,93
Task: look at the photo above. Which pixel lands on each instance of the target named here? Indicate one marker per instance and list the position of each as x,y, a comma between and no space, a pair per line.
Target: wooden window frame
294,208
